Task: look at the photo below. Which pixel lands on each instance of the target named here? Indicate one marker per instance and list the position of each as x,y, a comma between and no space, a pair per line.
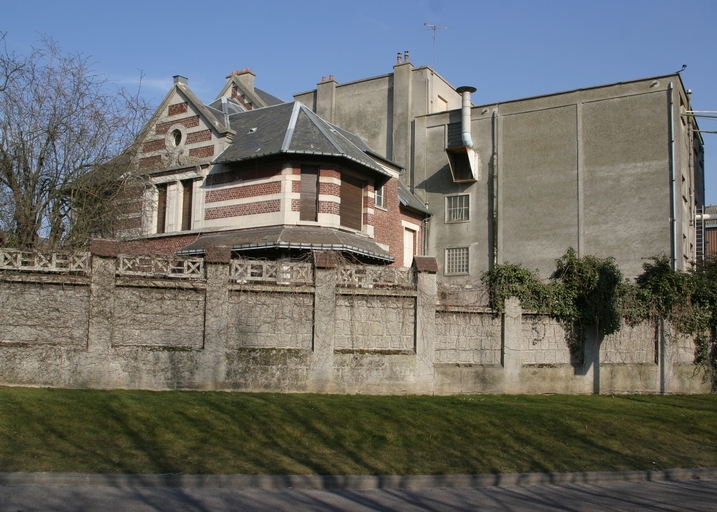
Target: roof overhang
304,239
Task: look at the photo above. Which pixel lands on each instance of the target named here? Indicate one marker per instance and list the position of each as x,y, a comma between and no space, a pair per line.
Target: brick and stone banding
200,136
203,152
153,145
187,122
151,161
228,194
240,210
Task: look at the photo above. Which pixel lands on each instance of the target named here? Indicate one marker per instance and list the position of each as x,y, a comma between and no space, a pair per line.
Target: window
309,193
351,209
161,207
187,186
378,197
457,261
176,138
458,208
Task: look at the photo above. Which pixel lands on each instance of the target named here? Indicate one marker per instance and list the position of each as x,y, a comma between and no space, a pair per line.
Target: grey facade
614,170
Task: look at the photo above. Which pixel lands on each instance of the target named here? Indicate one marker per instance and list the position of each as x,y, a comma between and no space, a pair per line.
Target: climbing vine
589,292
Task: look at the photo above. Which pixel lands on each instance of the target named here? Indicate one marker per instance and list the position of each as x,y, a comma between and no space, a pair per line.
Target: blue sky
508,49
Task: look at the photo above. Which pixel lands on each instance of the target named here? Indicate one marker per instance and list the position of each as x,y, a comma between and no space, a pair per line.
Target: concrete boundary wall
203,329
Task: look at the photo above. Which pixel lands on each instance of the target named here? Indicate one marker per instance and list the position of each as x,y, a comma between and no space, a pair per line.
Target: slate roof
303,238
406,197
291,128
268,99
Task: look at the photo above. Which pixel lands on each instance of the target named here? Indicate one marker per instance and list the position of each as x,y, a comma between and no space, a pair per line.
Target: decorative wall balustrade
358,276
271,272
160,267
37,261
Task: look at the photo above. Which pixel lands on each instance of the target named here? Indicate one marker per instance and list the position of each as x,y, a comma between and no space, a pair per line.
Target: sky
507,49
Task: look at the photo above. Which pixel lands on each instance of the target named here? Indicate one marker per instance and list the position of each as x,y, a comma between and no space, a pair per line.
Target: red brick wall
260,189
238,210
203,152
387,223
330,189
153,145
329,207
151,161
201,136
179,108
188,122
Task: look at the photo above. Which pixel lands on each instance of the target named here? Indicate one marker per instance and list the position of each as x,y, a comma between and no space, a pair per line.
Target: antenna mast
434,28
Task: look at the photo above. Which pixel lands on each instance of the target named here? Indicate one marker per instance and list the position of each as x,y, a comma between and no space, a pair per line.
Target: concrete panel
271,320
468,338
150,317
375,323
373,98
42,314
538,187
543,342
626,179
631,345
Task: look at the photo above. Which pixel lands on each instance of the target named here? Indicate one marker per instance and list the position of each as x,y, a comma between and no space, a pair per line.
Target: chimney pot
398,58
323,78
405,56
331,77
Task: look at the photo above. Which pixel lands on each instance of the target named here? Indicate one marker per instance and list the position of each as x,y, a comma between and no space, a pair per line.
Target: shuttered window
309,193
187,186
161,207
351,202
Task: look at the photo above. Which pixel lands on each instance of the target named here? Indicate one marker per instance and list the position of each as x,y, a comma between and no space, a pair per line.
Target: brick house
268,179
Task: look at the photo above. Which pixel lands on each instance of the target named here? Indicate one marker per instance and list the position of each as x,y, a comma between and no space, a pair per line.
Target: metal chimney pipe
465,93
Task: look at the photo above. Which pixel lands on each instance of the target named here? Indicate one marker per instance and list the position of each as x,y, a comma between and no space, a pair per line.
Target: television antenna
428,26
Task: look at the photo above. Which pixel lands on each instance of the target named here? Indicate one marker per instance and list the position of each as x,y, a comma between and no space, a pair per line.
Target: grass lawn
194,432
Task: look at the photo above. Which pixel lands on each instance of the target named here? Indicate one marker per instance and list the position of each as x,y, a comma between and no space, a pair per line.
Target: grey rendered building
613,170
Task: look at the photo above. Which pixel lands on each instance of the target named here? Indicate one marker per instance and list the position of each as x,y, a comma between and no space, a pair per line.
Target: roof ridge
289,135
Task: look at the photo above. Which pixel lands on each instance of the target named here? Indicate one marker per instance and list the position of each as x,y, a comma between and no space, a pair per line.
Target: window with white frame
458,208
457,261
378,197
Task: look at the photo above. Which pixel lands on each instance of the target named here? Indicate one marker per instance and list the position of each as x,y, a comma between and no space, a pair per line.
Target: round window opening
176,137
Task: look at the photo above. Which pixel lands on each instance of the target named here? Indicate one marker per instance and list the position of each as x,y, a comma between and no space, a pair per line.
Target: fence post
322,367
217,261
425,335
511,356
102,290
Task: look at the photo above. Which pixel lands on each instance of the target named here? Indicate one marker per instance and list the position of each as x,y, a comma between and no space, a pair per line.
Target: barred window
457,261
458,208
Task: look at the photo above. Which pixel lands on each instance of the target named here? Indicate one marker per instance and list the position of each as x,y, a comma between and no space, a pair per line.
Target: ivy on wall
591,293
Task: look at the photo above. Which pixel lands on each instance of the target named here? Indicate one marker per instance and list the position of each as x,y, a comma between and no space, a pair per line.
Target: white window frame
378,197
465,209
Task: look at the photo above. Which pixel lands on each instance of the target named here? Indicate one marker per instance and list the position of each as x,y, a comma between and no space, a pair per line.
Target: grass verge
61,430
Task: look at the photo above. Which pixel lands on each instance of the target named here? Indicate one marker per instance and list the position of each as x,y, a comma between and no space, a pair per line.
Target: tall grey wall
141,323
589,169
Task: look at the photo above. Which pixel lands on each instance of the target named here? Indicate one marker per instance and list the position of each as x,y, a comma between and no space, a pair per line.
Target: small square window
378,197
457,261
458,208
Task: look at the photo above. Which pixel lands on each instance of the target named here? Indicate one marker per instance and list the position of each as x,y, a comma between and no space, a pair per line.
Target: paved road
692,495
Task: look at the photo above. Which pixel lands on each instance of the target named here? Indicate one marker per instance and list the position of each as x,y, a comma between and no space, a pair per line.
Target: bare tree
65,145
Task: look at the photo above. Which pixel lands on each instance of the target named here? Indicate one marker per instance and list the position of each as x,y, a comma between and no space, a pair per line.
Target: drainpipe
495,187
673,207
465,92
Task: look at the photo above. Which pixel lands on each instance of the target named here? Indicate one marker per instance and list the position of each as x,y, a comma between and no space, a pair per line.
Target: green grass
194,432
